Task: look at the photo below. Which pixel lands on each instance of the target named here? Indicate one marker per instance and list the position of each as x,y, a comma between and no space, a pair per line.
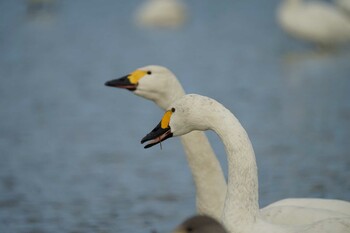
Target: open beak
157,135
122,82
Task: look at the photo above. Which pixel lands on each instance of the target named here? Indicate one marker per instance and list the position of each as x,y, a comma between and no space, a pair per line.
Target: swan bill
123,82
157,135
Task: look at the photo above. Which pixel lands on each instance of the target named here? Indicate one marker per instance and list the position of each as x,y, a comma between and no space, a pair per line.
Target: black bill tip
157,135
109,84
149,145
154,134
122,82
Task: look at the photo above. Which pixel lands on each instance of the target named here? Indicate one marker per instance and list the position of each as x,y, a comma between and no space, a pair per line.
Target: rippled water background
70,157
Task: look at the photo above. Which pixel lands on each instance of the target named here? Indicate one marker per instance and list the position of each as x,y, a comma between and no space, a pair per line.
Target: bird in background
314,21
161,14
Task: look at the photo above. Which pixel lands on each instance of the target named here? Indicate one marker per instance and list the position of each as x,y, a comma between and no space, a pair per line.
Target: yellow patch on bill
166,119
135,76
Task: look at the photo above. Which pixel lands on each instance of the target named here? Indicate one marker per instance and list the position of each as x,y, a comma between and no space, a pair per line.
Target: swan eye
149,72
172,109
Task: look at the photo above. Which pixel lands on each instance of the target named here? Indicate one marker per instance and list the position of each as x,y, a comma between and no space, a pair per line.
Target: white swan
241,211
200,224
161,13
314,21
160,85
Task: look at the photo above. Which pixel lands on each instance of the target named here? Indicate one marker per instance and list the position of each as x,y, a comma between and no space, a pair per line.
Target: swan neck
169,95
209,180
241,203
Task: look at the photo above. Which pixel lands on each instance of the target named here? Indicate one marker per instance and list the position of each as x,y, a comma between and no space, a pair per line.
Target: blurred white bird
317,22
161,13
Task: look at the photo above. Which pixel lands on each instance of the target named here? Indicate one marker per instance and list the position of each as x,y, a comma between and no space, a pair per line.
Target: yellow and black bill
123,82
157,135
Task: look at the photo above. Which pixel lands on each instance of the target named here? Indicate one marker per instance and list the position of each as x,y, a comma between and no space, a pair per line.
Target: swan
160,85
241,210
161,13
314,21
200,224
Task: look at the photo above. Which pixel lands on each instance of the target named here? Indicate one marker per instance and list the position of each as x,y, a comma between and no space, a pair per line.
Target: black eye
149,72
173,109
189,229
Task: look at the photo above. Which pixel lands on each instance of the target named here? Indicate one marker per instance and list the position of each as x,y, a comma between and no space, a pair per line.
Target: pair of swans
161,86
315,21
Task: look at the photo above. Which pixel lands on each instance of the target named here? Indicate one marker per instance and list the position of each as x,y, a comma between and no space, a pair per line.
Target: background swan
200,224
314,21
241,210
161,13
160,85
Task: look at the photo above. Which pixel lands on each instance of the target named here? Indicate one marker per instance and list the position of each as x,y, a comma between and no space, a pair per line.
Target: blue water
70,155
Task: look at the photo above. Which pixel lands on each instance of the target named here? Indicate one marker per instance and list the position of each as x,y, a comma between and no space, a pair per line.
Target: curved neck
241,204
207,174
170,94
209,180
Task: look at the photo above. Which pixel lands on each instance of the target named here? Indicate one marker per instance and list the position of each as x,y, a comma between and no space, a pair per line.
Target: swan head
186,114
156,83
200,224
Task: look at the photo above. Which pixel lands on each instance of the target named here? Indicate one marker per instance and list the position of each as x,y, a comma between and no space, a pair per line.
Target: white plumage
162,87
161,13
241,211
314,21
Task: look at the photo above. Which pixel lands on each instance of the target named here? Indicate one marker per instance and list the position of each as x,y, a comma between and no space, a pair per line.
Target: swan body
297,215
160,85
332,205
161,13
200,224
314,21
241,210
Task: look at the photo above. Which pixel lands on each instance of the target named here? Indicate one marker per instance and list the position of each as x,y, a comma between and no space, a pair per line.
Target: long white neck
241,204
169,95
209,180
207,174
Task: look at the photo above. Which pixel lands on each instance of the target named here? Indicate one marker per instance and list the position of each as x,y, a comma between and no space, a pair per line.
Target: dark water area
70,152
